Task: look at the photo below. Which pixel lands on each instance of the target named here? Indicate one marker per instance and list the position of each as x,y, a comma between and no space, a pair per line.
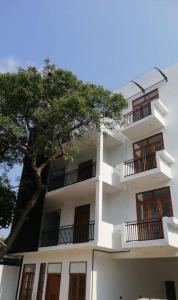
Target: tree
39,111
7,202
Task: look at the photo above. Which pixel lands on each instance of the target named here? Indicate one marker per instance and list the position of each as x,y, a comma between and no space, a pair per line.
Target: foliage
40,110
7,203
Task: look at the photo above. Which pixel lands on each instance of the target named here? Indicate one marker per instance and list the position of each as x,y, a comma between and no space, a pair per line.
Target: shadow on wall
8,282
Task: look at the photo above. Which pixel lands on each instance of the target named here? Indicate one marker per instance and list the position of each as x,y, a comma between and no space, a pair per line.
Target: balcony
71,234
151,233
72,177
144,230
147,119
146,170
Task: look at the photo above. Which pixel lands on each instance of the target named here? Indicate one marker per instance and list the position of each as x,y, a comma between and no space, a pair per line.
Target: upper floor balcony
82,173
144,120
70,234
68,222
148,169
150,233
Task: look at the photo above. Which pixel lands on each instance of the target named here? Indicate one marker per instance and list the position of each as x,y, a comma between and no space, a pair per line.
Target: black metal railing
144,230
141,164
136,115
70,234
74,176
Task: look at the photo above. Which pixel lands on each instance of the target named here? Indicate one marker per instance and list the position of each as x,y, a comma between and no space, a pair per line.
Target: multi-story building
109,227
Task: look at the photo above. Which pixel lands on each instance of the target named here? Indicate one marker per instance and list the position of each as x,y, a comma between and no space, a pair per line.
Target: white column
99,187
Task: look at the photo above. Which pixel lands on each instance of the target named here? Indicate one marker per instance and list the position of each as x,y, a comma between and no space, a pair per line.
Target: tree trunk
27,209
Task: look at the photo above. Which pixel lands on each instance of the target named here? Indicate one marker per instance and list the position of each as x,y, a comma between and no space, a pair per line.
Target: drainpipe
93,259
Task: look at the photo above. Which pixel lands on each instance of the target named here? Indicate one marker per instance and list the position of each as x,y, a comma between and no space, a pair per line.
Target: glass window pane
54,268
162,193
78,267
29,268
166,212
155,139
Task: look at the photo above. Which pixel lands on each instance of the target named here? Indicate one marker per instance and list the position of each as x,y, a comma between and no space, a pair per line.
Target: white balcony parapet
150,233
110,175
147,119
148,169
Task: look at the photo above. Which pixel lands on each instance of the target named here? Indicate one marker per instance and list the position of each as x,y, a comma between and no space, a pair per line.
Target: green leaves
7,203
41,110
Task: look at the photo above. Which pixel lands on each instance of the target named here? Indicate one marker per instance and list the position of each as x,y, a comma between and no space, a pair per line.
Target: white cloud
11,64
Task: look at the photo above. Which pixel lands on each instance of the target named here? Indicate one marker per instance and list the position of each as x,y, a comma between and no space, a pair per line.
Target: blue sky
108,42
104,41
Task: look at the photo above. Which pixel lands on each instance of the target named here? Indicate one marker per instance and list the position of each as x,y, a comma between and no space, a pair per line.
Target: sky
107,42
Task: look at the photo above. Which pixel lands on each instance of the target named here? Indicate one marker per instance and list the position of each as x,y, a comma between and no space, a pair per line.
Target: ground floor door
53,287
170,290
77,287
27,282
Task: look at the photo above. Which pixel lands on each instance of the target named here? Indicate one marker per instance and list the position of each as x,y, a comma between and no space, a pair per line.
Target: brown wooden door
81,224
170,290
27,282
144,152
53,287
77,287
151,207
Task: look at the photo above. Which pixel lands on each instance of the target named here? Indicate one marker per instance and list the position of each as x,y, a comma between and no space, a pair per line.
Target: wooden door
144,152
85,170
26,288
170,290
81,224
77,287
152,206
53,287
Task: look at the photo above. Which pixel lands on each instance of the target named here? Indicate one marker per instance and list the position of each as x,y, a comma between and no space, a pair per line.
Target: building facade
109,227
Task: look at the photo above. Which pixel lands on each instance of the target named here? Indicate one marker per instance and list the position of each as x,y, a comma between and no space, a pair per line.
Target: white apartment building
109,229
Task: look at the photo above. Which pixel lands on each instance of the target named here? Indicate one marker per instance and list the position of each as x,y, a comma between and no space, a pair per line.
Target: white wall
169,96
112,279
121,207
131,279
68,209
64,257
8,282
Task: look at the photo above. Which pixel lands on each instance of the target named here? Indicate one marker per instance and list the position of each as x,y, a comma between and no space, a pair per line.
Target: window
77,284
142,106
145,99
41,281
27,282
148,146
154,204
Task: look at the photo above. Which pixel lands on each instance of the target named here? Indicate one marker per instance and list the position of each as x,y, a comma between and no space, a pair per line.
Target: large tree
39,111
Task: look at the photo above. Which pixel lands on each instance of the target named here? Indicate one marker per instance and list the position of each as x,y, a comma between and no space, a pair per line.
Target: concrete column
99,187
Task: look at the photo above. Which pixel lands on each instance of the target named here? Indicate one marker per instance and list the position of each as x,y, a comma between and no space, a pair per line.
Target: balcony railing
140,164
136,115
72,177
70,234
144,230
